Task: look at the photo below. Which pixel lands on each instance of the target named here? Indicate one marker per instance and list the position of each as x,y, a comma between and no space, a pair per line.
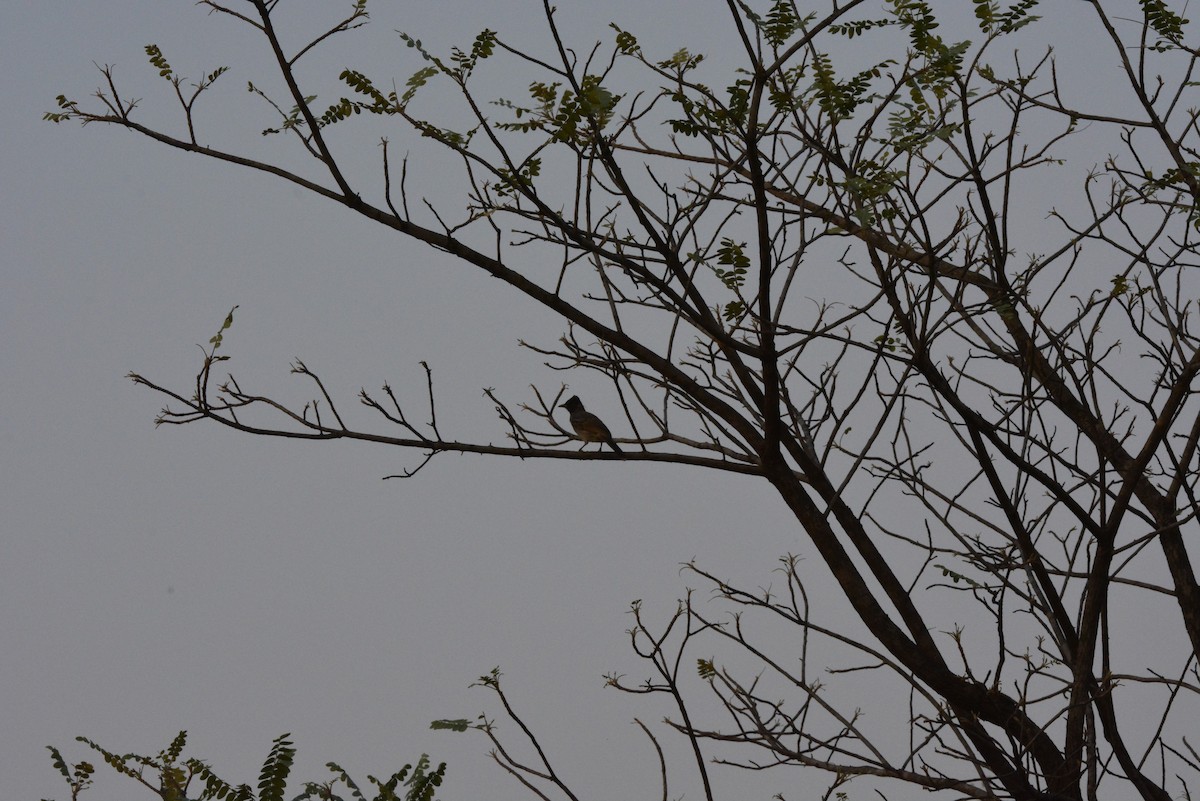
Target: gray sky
197,578
154,580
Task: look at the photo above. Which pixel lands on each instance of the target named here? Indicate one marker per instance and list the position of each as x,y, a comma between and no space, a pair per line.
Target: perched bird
588,427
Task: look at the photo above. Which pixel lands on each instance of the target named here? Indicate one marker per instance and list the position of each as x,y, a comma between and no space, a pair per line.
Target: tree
932,292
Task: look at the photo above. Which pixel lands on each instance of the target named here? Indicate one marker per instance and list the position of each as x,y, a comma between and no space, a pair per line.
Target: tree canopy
936,290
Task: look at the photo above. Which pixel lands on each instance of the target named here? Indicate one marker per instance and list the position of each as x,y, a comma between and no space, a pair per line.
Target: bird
588,427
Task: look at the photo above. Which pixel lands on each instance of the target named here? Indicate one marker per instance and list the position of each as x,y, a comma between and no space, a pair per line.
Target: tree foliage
173,778
939,296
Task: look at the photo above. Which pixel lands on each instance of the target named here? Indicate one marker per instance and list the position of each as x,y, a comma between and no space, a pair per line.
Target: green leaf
681,60
732,254
57,759
345,779
69,110
158,60
627,43
781,23
416,81
219,337
272,780
457,724
171,754
484,45
985,12
422,784
858,27
1165,22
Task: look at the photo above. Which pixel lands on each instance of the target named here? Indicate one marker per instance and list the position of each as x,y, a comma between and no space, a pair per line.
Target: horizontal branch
317,431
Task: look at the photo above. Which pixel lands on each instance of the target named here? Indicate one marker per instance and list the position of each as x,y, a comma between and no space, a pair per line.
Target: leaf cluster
1165,22
574,117
70,110
464,61
169,777
732,254
993,20
781,22
839,99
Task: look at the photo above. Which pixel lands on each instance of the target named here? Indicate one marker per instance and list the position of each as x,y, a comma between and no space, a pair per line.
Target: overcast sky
194,577
154,580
